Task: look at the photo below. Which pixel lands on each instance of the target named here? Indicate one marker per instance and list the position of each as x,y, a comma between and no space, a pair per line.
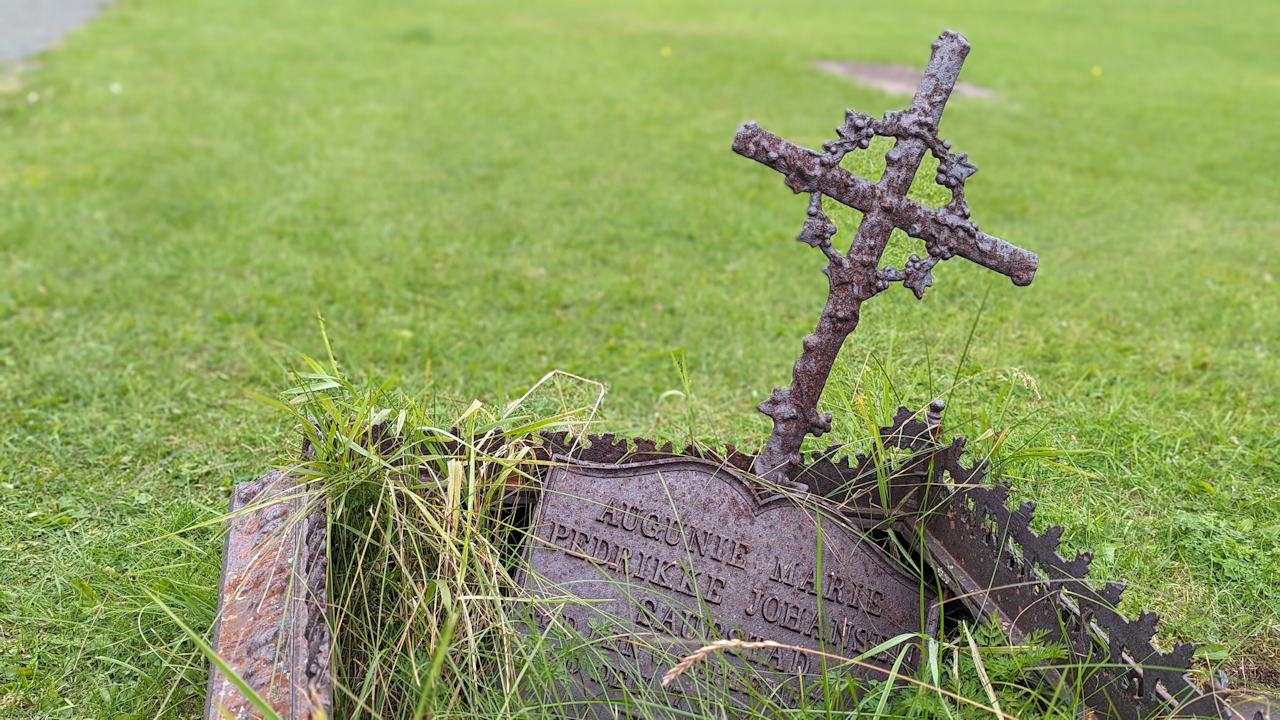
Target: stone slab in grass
893,79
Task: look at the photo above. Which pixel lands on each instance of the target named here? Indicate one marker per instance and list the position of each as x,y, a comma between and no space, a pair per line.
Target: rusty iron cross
855,276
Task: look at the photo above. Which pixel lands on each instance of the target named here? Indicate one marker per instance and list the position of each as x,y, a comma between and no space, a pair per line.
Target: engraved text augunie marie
669,556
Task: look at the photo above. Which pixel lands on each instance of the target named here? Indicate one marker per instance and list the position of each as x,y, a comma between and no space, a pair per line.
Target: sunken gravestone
676,553
648,553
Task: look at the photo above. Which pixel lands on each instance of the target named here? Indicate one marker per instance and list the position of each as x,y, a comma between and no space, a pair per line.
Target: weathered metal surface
855,276
271,628
992,562
998,566
667,555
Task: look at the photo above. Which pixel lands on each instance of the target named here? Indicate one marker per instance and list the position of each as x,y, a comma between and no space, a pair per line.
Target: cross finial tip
950,35
738,141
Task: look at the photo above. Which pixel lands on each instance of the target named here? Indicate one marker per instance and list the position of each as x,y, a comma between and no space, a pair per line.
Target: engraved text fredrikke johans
671,558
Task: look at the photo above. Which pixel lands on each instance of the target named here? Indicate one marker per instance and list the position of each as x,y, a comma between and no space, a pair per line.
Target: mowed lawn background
473,194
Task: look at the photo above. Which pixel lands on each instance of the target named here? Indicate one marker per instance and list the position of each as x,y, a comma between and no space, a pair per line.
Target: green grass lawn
474,194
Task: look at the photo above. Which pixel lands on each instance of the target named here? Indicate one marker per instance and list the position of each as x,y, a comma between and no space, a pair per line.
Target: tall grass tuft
420,558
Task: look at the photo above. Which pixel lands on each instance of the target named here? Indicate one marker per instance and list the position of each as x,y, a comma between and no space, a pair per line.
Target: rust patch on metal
664,556
271,628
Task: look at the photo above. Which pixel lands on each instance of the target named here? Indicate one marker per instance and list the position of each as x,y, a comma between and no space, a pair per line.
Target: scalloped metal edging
271,625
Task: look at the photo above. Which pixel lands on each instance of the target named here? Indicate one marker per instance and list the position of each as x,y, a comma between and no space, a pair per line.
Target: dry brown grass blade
982,670
702,652
689,661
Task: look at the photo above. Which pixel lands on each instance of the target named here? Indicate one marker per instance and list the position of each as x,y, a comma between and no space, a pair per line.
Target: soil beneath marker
895,79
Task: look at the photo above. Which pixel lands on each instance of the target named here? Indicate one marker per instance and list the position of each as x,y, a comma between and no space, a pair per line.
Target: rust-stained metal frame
271,626
998,566
855,276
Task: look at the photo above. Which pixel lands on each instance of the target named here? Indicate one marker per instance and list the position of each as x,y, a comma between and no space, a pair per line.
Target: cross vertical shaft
903,159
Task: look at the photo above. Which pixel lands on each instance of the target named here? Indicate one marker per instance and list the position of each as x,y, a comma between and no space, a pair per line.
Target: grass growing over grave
473,195
431,619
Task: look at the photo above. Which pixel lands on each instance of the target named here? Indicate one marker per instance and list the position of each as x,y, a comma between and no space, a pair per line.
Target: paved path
29,26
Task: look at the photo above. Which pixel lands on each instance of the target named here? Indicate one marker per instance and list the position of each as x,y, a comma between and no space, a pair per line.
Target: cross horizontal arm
806,171
803,168
935,226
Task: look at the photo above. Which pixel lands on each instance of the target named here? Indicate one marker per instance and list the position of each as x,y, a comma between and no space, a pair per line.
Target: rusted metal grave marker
984,553
650,552
575,546
676,553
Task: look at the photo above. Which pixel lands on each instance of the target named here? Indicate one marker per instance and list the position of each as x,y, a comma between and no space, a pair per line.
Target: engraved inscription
669,555
700,542
637,564
836,588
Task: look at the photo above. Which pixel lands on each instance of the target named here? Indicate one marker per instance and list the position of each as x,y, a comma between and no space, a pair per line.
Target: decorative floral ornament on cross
856,275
